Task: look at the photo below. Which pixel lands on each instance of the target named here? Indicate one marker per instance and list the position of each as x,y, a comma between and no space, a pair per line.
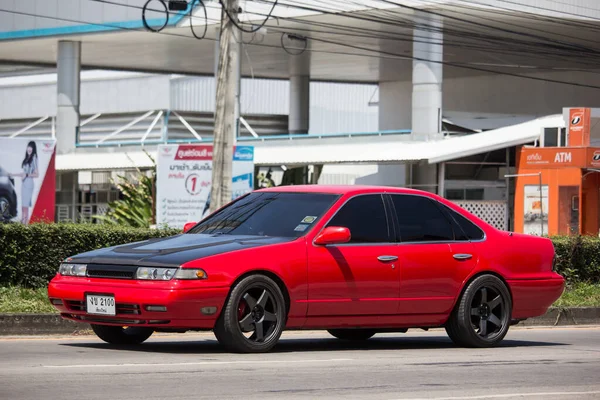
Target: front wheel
253,317
482,316
352,334
122,335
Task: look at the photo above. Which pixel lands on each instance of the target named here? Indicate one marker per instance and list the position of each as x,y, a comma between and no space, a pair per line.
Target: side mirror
333,235
188,226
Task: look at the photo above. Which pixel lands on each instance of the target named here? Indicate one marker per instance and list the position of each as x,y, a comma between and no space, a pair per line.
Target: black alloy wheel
253,317
482,316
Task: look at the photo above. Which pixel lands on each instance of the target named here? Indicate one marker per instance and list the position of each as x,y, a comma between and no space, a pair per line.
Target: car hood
175,250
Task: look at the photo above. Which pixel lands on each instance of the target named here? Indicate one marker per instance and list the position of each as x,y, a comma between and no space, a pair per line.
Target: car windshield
268,214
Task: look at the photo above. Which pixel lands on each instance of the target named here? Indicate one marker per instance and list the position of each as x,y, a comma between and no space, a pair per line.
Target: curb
566,317
38,324
53,324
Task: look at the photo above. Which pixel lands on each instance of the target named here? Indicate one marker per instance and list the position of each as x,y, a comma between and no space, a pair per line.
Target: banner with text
184,178
27,180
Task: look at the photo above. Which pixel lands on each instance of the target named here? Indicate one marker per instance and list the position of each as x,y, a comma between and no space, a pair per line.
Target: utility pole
225,110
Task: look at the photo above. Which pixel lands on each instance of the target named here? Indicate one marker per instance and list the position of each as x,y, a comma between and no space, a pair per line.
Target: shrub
30,254
578,258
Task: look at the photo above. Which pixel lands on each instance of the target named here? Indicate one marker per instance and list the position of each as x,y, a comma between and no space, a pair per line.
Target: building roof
405,151
375,150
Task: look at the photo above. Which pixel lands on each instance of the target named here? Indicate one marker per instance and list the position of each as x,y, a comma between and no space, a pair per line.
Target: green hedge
578,258
30,255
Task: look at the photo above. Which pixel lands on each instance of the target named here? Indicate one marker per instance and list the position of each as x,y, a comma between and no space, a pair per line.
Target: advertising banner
579,127
27,180
184,179
535,221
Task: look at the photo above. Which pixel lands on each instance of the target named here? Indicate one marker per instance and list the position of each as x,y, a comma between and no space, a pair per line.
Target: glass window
365,217
268,214
463,228
421,220
550,137
474,194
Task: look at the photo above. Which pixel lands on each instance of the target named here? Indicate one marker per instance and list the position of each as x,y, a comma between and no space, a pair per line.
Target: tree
137,207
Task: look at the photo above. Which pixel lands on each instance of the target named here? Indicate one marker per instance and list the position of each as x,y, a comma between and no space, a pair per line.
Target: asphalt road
541,363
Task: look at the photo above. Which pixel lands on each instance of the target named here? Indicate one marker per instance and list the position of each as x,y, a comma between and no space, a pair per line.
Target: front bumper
185,302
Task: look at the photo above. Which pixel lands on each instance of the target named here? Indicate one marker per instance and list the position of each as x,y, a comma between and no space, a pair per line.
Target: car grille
121,308
111,271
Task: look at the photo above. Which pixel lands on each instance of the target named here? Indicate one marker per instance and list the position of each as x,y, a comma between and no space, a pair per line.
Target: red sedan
348,259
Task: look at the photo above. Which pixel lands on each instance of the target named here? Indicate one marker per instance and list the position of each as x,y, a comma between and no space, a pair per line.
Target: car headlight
155,274
73,269
190,274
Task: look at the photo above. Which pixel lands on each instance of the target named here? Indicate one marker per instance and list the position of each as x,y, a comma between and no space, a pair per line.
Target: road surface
535,363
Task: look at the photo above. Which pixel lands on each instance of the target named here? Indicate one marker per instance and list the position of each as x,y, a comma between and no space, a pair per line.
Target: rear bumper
533,297
184,302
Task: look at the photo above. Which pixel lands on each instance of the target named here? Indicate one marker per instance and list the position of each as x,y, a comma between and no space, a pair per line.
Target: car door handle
387,258
462,257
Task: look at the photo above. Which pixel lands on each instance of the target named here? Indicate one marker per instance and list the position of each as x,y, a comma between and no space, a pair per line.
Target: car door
431,261
359,277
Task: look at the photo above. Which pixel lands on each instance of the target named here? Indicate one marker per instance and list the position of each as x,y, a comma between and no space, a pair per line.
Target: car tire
122,336
253,316
352,334
483,314
5,207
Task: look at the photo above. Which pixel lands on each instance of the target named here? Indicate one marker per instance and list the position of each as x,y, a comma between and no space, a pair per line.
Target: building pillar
427,78
427,94
68,64
298,120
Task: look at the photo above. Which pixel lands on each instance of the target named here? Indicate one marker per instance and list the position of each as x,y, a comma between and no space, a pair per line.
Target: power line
342,44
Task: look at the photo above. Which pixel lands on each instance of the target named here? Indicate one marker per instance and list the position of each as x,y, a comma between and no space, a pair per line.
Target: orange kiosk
557,189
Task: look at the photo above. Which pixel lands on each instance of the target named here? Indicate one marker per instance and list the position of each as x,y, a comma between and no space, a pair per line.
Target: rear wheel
5,208
253,317
122,335
352,334
482,316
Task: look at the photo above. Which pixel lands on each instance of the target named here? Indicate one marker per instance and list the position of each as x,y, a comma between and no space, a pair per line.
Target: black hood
174,251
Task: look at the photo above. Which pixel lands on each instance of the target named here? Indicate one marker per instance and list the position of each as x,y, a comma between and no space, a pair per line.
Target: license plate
101,305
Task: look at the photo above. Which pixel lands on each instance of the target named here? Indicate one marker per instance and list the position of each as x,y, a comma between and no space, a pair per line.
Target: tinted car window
365,217
421,220
268,214
463,228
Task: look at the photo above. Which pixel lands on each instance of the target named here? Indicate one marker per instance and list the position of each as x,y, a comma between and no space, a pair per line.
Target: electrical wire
234,22
380,53
503,50
146,8
193,4
145,21
299,38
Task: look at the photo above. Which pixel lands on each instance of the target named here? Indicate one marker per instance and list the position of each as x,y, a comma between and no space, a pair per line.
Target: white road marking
200,363
507,396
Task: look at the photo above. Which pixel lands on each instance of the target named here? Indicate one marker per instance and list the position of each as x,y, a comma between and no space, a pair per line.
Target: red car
348,259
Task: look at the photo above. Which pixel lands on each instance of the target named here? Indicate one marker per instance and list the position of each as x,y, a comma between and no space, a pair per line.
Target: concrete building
442,67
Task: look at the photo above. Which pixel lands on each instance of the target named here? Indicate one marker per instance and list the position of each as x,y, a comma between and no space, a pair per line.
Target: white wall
490,101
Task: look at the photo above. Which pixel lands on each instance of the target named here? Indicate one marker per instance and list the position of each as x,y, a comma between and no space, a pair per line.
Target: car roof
341,189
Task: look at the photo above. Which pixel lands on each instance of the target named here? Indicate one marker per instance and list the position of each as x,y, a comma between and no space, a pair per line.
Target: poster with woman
27,180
